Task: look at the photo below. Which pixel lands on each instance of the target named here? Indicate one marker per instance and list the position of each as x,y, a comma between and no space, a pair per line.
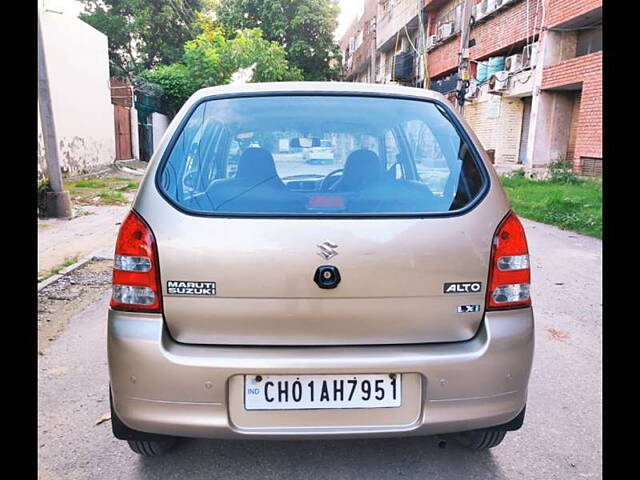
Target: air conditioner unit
431,41
481,10
499,3
499,82
445,30
491,6
472,91
513,63
529,55
457,18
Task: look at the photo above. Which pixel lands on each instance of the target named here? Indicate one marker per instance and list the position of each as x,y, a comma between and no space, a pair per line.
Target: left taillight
509,271
136,277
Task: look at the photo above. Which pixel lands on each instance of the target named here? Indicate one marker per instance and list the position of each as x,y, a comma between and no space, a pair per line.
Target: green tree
143,33
213,57
304,28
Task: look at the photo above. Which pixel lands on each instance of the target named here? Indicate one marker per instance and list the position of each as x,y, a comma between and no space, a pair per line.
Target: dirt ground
58,302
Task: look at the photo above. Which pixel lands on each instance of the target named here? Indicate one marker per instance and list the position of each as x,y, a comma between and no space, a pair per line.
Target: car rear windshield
319,155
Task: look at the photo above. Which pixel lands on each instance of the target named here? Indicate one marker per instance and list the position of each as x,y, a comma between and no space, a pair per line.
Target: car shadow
415,457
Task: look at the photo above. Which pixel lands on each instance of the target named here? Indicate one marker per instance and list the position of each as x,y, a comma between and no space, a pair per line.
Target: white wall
160,123
135,136
78,66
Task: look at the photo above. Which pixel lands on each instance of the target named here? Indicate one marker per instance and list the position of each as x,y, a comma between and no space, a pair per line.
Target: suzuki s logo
327,249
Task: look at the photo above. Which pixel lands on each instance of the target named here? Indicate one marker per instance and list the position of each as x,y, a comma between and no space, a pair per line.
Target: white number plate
303,392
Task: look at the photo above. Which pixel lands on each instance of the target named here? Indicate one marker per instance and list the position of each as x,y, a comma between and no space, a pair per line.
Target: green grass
576,207
112,197
101,191
57,269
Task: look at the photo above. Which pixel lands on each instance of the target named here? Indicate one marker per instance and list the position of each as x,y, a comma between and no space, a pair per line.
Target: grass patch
57,269
89,184
112,197
101,191
570,206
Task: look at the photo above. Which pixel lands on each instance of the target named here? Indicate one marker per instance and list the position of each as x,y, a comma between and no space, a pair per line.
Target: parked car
360,304
319,155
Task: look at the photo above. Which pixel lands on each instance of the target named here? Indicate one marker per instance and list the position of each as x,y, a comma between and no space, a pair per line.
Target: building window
591,166
589,41
385,7
371,26
358,40
449,21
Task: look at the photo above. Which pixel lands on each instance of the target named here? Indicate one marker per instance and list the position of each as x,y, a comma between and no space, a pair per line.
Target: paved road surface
561,438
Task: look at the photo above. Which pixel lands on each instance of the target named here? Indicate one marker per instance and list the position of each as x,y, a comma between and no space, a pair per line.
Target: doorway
524,131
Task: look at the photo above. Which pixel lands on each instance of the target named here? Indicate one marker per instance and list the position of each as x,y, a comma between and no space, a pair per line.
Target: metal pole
463,62
58,201
372,53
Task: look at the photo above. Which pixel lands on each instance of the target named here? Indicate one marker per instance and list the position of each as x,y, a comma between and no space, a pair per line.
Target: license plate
304,392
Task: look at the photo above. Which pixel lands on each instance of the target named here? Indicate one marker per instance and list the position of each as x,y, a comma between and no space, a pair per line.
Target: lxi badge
468,308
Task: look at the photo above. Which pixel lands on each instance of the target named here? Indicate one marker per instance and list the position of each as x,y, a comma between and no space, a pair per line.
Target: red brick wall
571,71
559,11
573,133
588,71
505,28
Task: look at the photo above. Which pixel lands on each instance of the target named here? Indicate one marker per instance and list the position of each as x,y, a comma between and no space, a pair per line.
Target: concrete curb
99,255
132,171
120,165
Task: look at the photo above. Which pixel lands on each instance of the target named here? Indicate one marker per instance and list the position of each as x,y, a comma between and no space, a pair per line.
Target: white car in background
324,154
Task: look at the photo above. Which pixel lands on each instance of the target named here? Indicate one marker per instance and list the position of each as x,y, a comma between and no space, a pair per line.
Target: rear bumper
160,386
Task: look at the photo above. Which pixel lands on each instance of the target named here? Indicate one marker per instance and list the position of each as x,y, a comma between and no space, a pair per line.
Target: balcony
392,16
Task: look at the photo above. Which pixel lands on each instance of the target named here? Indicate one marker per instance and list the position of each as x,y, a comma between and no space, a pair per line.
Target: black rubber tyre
481,439
151,448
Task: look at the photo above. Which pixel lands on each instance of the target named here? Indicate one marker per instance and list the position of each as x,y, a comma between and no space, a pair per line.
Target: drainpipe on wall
463,61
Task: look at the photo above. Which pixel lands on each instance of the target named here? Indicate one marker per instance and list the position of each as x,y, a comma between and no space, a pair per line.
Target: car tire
151,448
481,439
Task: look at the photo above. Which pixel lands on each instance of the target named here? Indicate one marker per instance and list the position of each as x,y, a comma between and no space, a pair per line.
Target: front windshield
319,155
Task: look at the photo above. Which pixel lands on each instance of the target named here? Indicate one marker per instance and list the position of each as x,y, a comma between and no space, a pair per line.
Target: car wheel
481,439
151,448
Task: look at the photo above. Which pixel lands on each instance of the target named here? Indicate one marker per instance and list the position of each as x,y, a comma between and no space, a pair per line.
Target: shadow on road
417,457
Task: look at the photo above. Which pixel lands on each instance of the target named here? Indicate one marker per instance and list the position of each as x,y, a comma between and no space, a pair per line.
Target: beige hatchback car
383,292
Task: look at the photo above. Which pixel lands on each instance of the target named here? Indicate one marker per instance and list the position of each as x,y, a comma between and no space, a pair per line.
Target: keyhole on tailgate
327,276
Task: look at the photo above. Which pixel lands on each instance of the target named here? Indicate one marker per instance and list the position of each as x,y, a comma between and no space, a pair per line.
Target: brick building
358,46
536,65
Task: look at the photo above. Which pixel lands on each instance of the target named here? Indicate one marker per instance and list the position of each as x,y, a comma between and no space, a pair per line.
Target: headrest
362,165
256,164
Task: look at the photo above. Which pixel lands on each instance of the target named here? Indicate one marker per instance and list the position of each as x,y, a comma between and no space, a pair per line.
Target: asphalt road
561,437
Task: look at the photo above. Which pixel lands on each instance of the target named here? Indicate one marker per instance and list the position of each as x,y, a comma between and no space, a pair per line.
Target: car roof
316,87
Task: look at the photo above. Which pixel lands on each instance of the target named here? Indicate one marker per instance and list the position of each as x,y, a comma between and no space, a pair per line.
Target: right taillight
509,272
136,282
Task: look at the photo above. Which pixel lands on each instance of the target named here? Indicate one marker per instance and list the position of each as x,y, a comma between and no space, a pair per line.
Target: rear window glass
319,155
